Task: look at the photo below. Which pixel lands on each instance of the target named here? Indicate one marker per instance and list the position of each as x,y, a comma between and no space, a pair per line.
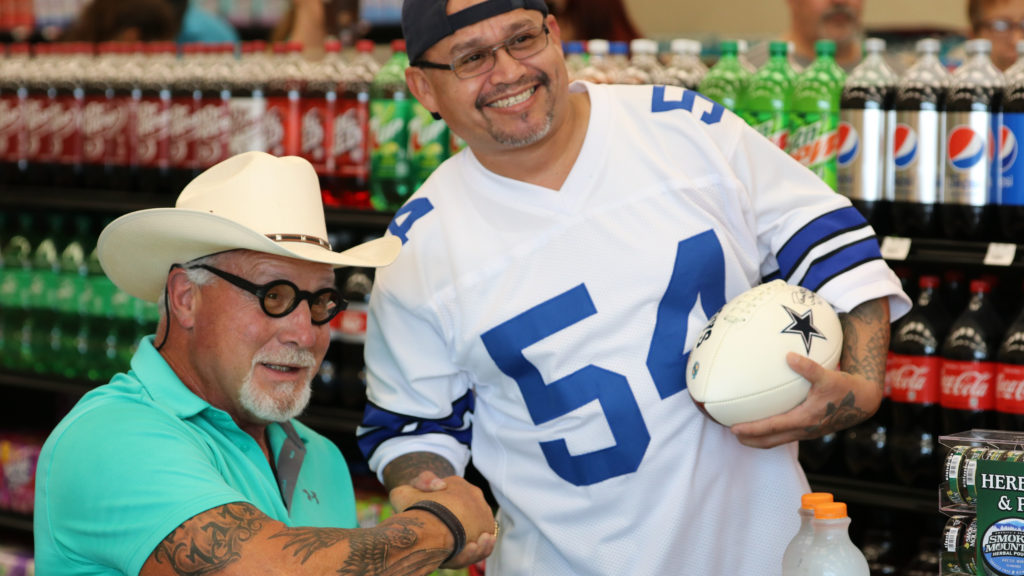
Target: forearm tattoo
839,417
214,539
866,340
404,469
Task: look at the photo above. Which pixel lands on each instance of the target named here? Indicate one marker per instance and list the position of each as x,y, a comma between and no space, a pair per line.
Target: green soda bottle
814,136
726,80
390,112
765,104
428,145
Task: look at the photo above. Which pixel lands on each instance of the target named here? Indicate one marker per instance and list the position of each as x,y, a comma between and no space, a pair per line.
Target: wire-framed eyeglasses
280,297
522,45
1003,25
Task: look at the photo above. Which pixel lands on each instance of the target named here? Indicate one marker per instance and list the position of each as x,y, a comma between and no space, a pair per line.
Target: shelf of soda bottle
59,314
146,118
928,153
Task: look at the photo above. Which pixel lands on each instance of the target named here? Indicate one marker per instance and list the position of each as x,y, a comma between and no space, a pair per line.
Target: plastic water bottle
832,553
798,546
685,67
814,138
766,101
390,112
727,78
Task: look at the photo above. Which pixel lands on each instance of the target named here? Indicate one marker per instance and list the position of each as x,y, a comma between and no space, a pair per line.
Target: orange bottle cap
830,511
811,499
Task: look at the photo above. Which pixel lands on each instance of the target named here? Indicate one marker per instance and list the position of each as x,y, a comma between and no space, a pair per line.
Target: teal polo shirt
137,457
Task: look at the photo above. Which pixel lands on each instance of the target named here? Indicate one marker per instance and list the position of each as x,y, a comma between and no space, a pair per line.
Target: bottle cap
874,45
930,45
830,511
929,281
812,499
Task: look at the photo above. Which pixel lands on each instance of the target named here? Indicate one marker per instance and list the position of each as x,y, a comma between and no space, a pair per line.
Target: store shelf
933,251
121,202
14,521
892,496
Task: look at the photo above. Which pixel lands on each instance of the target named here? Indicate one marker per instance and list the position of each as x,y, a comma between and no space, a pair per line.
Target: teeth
278,367
513,100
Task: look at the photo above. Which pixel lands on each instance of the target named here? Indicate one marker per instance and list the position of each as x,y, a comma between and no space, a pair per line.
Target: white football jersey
549,331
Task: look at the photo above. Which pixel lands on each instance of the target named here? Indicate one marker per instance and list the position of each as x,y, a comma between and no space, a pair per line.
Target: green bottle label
389,131
773,125
814,142
428,144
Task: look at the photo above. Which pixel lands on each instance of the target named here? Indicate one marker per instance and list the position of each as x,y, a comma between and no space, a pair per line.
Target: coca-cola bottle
918,143
912,374
153,120
1010,377
969,363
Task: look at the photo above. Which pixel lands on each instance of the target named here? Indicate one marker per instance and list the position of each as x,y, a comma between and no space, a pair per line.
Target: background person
192,462
1002,23
552,278
813,20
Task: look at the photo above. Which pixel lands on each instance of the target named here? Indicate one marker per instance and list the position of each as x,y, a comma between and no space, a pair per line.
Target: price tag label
895,248
1000,254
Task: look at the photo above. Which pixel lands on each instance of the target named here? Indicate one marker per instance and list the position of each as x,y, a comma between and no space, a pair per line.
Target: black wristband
450,520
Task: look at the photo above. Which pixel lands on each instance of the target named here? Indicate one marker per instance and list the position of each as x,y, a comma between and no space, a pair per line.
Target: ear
421,88
182,299
555,31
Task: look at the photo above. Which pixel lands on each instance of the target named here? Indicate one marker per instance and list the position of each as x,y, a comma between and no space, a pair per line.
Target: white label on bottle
1000,254
895,248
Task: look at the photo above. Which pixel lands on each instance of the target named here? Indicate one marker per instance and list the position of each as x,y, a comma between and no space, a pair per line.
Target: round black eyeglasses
280,297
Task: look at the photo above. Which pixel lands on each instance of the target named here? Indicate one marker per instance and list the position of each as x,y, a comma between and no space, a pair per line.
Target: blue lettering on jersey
699,271
659,104
407,216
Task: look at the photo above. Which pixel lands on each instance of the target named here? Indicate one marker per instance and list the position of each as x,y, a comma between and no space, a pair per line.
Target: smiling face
255,367
516,104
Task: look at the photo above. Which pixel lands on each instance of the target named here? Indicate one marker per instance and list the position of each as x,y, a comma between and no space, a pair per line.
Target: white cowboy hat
251,201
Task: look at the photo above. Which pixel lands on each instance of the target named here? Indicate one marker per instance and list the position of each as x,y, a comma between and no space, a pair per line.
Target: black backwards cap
426,22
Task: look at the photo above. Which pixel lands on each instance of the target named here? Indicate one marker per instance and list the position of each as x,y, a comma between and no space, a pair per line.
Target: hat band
304,238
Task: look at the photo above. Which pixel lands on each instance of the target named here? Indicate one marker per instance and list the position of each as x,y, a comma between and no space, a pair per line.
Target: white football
737,370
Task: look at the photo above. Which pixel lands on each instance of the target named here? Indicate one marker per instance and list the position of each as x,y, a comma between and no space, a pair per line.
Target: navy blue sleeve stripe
840,260
380,425
814,233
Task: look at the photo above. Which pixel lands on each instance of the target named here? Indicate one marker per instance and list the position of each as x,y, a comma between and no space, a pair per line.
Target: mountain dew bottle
765,104
814,136
726,80
428,144
390,112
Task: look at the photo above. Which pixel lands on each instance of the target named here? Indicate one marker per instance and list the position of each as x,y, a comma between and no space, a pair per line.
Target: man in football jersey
553,278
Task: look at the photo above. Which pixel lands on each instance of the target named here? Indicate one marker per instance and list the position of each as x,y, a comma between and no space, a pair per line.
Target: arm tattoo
866,340
207,546
370,550
403,469
839,417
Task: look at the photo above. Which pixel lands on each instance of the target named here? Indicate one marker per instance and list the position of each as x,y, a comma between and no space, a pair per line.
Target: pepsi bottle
1010,210
972,175
865,112
968,377
912,375
918,144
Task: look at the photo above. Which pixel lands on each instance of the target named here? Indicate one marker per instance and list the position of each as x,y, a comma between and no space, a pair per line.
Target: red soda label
180,132
818,150
37,128
913,379
317,122
11,127
66,139
283,125
1010,388
968,385
211,139
350,324
105,126
247,118
351,137
152,129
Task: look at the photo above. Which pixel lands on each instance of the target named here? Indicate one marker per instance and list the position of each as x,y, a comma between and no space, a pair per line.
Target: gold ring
497,528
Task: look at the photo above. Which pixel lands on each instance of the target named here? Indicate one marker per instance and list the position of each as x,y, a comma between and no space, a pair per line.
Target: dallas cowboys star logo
803,324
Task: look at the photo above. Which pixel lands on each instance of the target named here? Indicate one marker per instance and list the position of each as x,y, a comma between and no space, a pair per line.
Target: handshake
461,506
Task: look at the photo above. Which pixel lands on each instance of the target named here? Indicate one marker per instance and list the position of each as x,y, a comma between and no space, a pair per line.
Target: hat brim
138,249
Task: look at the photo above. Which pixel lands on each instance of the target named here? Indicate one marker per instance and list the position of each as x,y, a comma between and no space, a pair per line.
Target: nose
298,327
506,68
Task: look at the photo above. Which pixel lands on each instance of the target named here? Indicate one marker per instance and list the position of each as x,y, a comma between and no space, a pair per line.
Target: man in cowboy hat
192,462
